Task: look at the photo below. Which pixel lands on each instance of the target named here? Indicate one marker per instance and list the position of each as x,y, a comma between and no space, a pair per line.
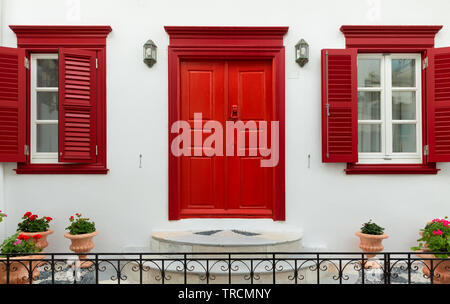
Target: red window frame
49,39
226,43
393,39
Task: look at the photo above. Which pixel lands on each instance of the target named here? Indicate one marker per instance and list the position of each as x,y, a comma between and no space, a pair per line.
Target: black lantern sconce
150,53
302,52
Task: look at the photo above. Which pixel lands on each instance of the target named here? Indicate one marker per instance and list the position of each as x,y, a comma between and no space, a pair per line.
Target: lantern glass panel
303,52
148,52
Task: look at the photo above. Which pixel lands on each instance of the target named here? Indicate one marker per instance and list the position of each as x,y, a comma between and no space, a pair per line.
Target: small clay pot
42,242
371,242
82,243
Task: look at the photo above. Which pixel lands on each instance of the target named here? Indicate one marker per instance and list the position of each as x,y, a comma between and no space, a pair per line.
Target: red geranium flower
48,219
33,217
27,214
23,237
37,236
71,217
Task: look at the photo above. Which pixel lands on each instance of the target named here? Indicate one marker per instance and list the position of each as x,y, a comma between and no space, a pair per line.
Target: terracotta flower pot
371,243
82,243
19,271
441,271
42,242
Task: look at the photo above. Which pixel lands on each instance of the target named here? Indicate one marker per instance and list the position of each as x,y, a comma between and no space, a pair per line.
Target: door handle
234,111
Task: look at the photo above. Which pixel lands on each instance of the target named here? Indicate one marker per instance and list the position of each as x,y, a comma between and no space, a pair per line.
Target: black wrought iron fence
226,268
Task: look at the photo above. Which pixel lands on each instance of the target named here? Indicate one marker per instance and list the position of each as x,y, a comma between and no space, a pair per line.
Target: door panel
200,93
253,181
251,92
202,179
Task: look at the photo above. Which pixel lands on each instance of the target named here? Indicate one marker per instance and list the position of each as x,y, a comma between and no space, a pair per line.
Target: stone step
227,240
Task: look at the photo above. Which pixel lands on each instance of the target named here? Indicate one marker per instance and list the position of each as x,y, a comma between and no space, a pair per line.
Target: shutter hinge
328,109
425,150
96,150
96,63
26,150
425,63
26,63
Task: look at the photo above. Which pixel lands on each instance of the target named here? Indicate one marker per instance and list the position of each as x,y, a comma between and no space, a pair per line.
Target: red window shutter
77,106
438,104
339,106
12,105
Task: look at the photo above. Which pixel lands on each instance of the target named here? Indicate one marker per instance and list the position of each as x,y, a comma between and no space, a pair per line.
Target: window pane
369,72
369,138
404,137
47,105
47,138
369,105
403,73
403,105
47,73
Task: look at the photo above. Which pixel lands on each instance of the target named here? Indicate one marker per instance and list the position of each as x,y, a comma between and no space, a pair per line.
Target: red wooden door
202,177
225,186
249,186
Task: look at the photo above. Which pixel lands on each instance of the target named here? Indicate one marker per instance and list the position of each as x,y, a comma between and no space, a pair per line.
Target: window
44,108
53,100
389,108
386,101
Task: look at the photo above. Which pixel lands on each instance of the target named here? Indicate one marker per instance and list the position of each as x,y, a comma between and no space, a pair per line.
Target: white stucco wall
129,202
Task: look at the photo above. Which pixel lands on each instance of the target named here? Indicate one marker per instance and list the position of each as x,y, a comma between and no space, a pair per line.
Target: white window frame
39,157
387,156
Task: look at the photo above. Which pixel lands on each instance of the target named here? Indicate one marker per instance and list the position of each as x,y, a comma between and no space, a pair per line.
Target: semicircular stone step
229,240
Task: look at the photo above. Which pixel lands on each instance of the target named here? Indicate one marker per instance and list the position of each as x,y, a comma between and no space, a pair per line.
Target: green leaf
372,228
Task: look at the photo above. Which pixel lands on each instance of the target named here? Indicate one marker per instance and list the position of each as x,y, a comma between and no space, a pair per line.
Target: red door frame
198,42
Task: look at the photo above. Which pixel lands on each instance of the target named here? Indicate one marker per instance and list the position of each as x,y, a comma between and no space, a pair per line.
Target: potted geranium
435,237
32,225
81,232
22,248
371,236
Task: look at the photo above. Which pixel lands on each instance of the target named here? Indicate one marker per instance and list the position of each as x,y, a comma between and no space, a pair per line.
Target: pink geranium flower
437,232
17,242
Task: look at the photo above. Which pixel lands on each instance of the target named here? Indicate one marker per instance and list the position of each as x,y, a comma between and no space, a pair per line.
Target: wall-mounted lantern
150,53
302,52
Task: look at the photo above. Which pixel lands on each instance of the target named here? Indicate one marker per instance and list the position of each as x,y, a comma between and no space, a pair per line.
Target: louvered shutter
12,105
77,106
339,106
438,104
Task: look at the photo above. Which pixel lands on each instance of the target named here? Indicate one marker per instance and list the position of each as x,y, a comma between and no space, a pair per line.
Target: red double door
226,186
